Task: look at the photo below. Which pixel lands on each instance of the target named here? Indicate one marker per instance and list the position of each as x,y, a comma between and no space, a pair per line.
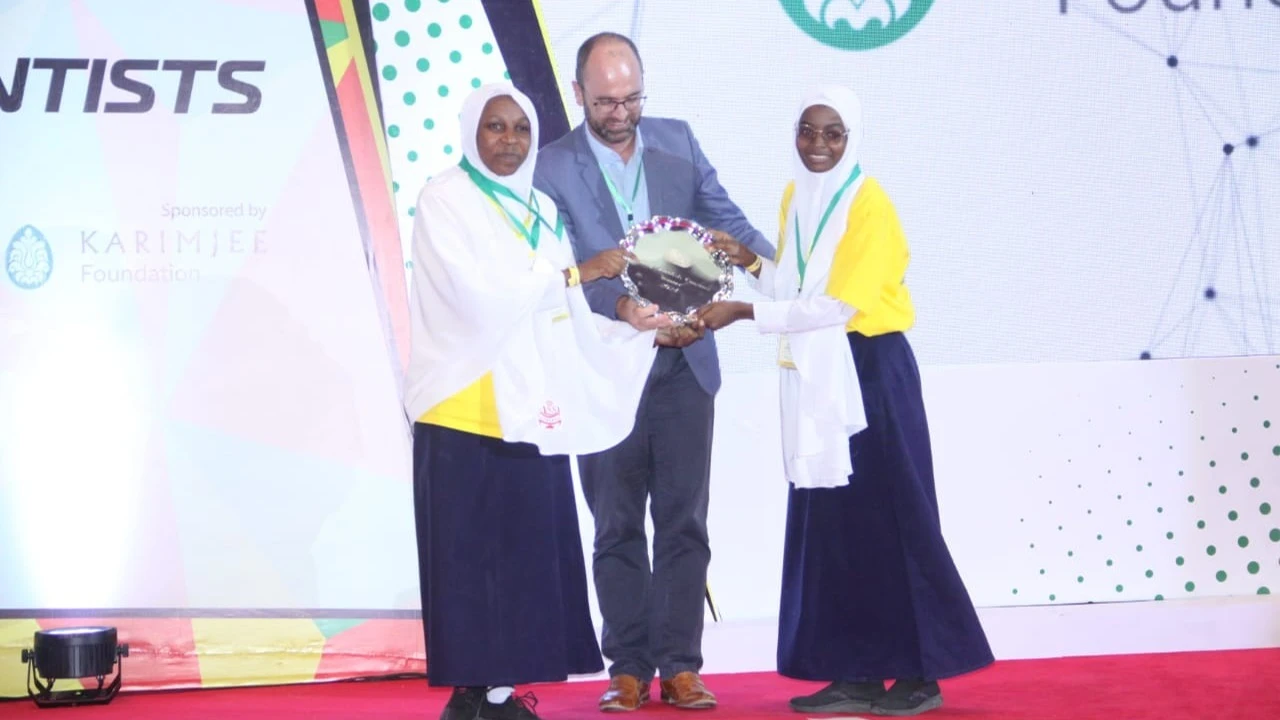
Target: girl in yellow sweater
869,589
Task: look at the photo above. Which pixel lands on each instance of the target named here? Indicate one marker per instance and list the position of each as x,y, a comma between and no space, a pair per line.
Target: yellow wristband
575,277
755,266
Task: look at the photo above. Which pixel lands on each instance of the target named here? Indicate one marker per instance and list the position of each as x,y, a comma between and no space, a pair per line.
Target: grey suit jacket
681,183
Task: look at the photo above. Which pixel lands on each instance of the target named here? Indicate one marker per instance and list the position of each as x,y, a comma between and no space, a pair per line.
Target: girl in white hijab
870,592
509,371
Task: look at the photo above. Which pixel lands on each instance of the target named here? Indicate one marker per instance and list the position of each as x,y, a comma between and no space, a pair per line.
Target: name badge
784,353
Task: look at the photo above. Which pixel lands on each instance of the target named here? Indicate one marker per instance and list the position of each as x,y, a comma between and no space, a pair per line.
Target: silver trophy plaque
675,267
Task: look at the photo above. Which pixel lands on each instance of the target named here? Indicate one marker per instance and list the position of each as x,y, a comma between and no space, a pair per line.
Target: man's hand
722,314
649,317
678,336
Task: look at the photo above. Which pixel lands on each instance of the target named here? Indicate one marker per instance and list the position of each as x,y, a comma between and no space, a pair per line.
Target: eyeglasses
609,104
808,133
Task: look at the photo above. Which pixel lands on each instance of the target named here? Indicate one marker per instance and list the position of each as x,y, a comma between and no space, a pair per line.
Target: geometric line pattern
1225,91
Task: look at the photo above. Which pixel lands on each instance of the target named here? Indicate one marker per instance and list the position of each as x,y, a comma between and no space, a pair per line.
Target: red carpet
1240,685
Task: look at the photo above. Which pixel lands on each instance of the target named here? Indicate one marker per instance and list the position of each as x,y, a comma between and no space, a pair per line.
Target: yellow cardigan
473,409
870,263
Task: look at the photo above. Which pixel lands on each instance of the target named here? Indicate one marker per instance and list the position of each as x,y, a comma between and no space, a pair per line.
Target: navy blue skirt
500,562
869,590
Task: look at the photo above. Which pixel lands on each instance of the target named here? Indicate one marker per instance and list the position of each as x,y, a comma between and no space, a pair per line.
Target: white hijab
821,399
814,191
521,181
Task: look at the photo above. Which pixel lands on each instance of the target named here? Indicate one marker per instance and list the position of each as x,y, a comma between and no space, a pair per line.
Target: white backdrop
1064,190
1052,171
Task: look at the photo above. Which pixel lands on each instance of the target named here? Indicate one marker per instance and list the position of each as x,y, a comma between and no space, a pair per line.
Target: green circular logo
856,24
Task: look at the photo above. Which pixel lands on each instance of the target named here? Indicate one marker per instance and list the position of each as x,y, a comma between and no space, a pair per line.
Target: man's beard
615,135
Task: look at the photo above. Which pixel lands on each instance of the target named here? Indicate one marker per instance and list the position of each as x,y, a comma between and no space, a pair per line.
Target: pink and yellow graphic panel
168,653
200,355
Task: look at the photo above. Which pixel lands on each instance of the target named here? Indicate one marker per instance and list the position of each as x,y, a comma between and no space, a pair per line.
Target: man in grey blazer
614,169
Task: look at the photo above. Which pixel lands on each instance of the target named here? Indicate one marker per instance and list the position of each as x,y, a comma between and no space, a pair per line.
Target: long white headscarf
814,191
822,400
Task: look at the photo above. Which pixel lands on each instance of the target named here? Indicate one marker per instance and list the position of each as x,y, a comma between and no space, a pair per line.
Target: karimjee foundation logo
28,260
856,24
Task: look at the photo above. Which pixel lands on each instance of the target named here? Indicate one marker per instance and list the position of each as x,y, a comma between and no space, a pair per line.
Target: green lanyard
802,260
617,196
493,189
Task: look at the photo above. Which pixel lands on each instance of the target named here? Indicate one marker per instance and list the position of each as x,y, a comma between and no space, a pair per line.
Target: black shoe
840,697
464,704
909,697
517,707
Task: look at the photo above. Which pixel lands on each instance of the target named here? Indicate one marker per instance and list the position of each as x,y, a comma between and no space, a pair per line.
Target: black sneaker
909,697
517,707
464,704
840,697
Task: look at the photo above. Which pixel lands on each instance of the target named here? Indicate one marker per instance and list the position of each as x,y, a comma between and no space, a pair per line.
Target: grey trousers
653,617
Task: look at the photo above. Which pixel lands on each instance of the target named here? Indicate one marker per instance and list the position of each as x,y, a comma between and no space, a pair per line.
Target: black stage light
74,653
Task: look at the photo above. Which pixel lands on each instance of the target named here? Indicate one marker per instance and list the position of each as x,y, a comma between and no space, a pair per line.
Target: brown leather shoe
686,691
625,693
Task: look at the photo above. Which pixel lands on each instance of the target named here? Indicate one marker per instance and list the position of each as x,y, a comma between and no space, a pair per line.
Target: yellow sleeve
870,264
787,194
473,409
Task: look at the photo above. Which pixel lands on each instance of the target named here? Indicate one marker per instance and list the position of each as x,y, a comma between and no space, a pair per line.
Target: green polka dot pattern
1181,487
430,55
